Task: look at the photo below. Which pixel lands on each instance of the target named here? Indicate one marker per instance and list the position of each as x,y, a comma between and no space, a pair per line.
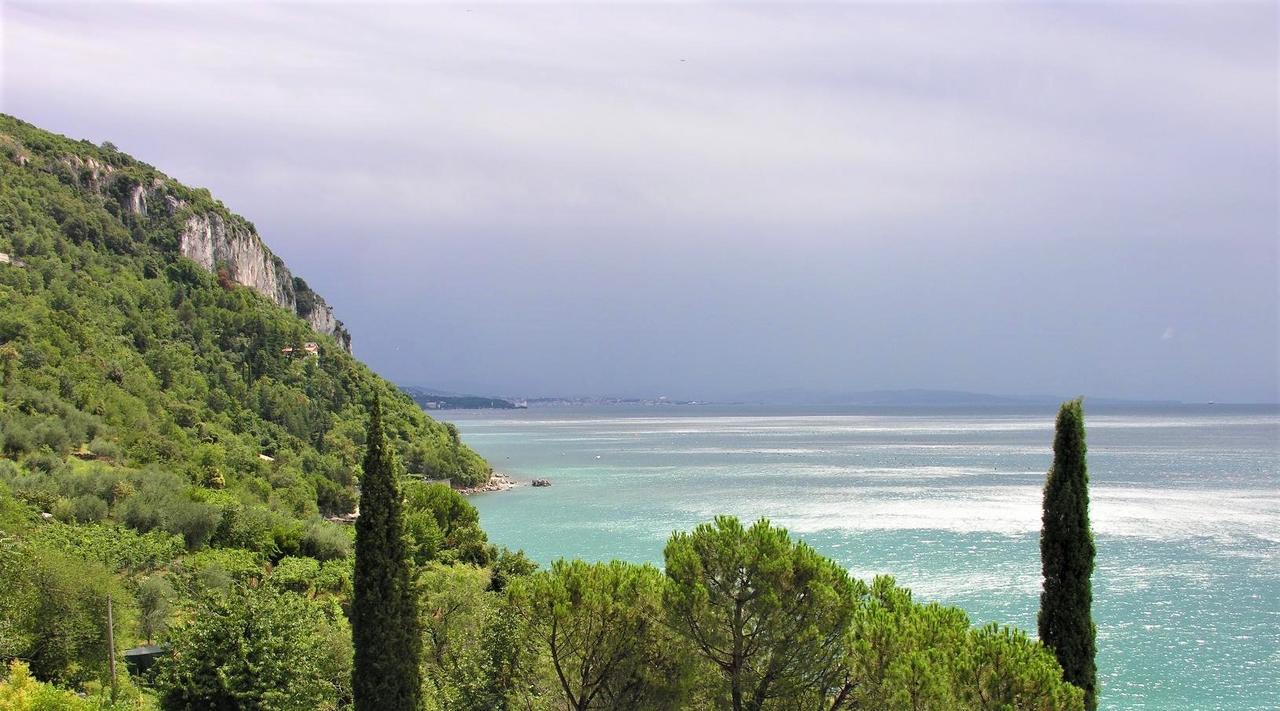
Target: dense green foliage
769,612
20,691
54,609
117,349
1066,556
441,523
54,578
579,635
154,434
900,654
602,628
384,617
750,604
257,649
155,604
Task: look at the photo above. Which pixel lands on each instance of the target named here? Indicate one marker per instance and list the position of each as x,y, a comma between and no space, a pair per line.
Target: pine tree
1066,557
384,620
767,611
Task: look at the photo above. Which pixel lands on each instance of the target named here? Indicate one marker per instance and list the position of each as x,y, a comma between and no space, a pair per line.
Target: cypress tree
1066,557
384,620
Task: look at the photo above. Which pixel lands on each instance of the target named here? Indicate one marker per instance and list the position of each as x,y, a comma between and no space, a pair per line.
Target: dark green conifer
384,625
1066,557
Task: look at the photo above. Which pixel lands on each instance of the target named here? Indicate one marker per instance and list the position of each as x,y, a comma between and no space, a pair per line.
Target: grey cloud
693,199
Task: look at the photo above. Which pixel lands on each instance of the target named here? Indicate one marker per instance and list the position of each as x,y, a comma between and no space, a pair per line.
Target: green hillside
172,430
117,350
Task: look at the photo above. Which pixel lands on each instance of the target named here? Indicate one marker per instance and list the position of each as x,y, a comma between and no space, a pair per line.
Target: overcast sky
702,201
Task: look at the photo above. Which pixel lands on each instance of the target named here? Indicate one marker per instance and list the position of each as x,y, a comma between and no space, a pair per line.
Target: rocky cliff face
222,243
318,314
236,250
210,242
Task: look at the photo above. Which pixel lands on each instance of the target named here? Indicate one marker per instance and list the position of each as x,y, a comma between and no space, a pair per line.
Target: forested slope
178,414
117,348
114,342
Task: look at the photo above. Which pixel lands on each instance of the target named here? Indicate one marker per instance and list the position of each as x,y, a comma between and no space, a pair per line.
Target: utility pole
111,647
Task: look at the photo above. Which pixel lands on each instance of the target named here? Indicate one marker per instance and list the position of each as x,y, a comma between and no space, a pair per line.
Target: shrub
63,510
44,463
21,692
286,536
219,569
295,575
15,517
155,599
18,440
88,508
334,498
252,649
104,448
335,578
259,488
53,607
120,549
326,541
156,508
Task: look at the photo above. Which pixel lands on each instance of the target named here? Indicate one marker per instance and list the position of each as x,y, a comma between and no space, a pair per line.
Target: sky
701,201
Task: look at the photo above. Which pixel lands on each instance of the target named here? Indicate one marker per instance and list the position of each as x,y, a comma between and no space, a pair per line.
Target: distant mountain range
921,398
433,399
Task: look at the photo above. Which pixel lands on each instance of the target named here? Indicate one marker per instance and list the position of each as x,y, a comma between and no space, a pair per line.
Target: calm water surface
1185,504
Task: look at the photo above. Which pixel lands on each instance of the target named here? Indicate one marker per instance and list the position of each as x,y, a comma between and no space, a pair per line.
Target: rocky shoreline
497,482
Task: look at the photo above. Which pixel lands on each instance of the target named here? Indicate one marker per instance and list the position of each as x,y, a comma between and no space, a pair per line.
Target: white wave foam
1014,510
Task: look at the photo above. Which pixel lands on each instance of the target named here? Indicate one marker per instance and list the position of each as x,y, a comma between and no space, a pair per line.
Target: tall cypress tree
384,620
1066,557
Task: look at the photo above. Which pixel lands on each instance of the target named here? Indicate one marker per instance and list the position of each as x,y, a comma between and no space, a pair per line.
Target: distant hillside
436,400
919,398
142,324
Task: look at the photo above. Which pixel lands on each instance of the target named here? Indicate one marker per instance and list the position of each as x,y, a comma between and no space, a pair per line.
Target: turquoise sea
1185,505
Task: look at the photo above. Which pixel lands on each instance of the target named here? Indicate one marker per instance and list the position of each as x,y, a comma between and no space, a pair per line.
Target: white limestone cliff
211,237
212,242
